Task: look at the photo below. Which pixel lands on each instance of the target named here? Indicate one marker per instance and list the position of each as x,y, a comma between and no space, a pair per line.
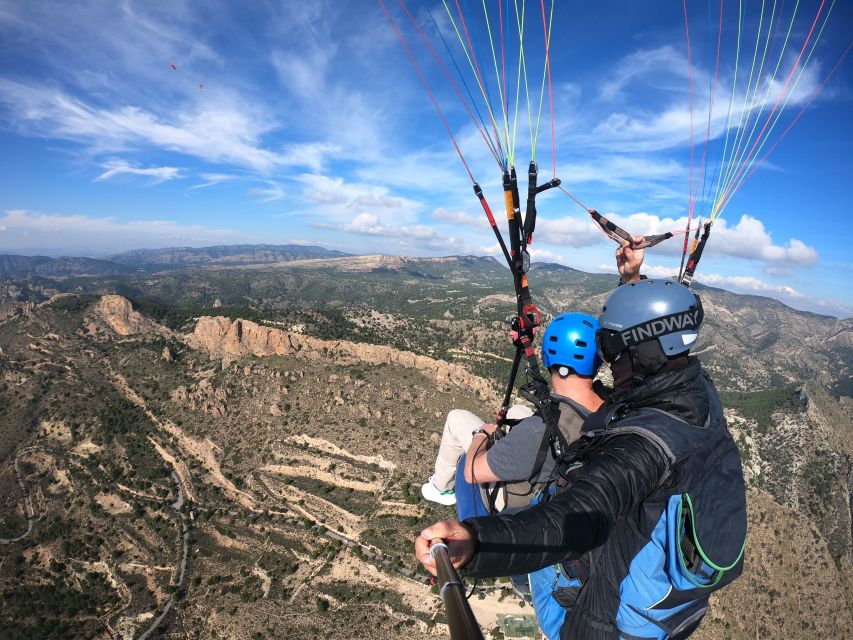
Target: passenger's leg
469,500
455,441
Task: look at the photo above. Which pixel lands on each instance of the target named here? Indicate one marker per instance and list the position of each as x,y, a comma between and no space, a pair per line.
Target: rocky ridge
230,339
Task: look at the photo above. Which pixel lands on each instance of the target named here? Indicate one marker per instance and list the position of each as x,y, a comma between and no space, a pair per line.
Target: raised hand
629,260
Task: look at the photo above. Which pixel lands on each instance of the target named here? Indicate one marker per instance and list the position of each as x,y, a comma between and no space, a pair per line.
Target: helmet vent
554,339
589,324
578,356
580,343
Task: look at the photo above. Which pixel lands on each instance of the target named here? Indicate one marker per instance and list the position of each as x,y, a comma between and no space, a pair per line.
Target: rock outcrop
231,339
204,397
119,315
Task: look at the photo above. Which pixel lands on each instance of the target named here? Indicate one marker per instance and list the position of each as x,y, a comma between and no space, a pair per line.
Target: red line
690,202
579,203
727,194
799,115
427,87
470,46
503,53
450,78
477,71
710,109
550,93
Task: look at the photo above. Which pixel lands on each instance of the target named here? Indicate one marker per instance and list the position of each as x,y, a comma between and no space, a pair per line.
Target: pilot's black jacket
618,495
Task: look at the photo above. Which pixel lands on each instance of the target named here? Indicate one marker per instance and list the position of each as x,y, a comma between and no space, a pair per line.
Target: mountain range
14,266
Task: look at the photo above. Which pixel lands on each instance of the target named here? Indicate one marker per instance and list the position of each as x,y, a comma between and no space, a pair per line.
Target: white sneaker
430,492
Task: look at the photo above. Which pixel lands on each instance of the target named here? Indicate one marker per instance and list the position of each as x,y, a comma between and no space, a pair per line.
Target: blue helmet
569,341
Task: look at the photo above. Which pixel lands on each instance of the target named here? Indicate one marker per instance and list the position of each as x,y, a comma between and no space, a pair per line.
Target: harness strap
695,254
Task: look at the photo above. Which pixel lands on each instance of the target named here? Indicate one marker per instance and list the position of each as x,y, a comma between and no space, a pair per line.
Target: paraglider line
427,87
750,164
778,100
690,193
447,75
497,152
803,110
546,29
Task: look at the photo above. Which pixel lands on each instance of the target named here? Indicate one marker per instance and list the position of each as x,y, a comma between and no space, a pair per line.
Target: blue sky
304,122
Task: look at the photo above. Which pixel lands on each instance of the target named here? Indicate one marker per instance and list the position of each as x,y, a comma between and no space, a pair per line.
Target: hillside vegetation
237,452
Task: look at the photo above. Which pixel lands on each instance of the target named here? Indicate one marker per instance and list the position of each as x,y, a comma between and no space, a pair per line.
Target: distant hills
12,266
27,266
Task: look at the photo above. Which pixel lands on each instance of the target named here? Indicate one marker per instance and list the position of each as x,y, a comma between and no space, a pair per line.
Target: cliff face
231,339
118,313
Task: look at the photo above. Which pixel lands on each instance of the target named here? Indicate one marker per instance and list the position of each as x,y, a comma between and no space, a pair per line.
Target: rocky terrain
237,452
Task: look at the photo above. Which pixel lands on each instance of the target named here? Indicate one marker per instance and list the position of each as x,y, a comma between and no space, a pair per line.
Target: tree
322,605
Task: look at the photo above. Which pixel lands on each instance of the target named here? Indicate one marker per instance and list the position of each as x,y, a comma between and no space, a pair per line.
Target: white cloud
748,284
649,90
749,239
158,174
370,224
409,239
22,230
649,270
212,179
538,254
622,171
220,130
272,192
567,232
460,218
342,200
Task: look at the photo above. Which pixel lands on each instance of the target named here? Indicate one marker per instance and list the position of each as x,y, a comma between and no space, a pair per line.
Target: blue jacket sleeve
615,478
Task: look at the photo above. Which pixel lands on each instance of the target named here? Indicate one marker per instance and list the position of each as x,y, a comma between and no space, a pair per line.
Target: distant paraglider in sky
174,67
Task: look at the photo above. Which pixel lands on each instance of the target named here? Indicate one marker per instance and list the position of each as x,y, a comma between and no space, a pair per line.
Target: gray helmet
634,313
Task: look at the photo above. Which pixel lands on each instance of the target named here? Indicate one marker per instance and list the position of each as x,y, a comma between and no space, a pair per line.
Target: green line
519,20
732,169
544,71
510,157
731,101
526,83
473,67
717,202
746,107
766,137
702,553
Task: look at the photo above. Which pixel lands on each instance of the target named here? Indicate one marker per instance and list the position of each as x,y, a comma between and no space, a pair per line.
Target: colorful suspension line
747,158
690,201
449,78
753,162
521,231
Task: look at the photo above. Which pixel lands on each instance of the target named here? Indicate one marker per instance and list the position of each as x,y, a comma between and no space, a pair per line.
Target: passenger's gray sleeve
512,457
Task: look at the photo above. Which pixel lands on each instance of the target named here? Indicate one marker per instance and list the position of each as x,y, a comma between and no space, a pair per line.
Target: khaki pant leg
455,441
